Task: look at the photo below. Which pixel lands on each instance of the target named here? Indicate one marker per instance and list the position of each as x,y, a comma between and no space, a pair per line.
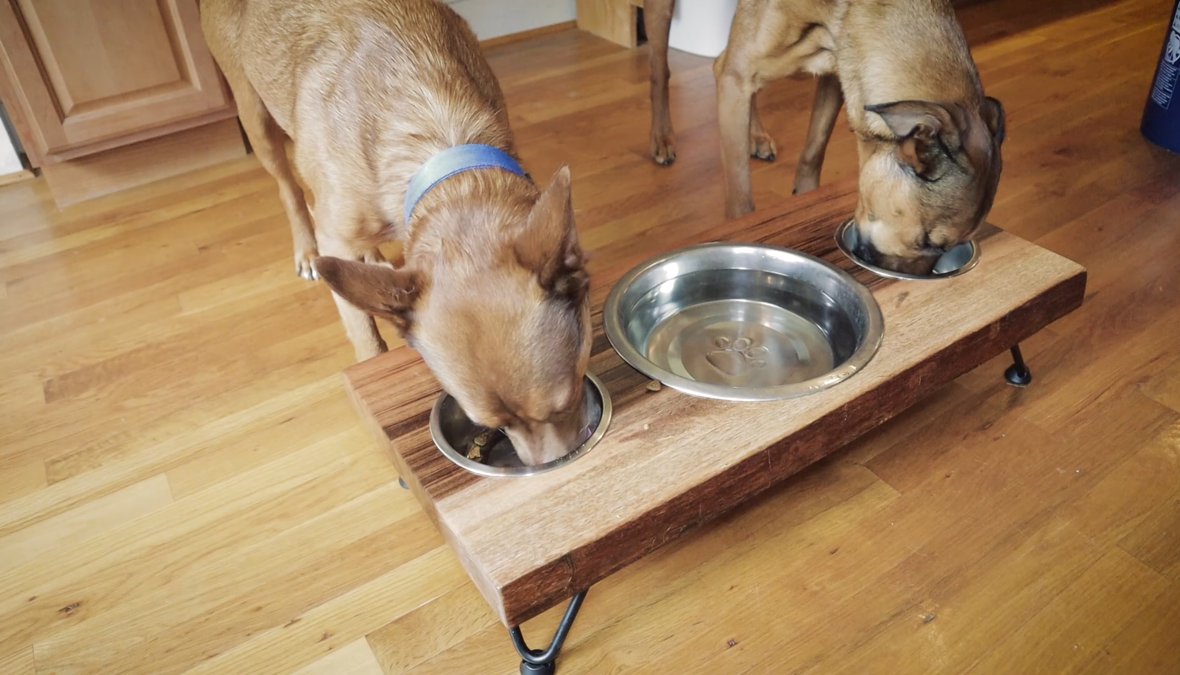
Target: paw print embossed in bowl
745,322
736,358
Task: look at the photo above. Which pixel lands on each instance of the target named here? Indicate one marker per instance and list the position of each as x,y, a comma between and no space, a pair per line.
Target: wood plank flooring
184,489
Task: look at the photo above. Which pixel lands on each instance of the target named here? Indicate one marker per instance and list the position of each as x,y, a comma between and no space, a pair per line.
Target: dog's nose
866,251
543,444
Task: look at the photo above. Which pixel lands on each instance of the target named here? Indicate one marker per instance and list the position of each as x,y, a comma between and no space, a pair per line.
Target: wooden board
670,461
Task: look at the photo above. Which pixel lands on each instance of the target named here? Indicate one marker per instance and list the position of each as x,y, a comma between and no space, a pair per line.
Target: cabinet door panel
92,70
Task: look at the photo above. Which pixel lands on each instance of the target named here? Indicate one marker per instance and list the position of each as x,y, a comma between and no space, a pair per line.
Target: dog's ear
548,245
925,131
992,112
379,290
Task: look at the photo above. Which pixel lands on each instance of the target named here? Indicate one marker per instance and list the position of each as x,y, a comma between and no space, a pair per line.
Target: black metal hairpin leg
1018,374
537,662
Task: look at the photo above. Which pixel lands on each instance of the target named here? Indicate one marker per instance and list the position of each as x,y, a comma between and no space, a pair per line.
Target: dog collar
453,160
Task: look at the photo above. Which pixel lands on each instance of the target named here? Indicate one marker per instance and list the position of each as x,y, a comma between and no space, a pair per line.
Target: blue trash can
1161,117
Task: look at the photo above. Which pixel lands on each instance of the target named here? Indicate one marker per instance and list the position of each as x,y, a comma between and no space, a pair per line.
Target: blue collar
451,161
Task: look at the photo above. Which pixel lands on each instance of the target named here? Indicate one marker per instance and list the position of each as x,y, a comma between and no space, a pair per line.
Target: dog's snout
549,441
930,247
866,251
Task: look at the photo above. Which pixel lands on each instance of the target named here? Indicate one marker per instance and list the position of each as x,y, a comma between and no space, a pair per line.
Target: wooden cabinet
79,77
614,20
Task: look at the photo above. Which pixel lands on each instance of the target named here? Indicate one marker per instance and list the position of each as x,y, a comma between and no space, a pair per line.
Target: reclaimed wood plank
670,461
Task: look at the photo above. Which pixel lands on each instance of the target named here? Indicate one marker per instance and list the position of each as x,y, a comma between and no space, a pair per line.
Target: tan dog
493,292
928,138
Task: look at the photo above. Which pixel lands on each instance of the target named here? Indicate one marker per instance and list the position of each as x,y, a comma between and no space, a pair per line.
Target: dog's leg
358,325
761,144
734,94
268,142
824,110
657,19
361,330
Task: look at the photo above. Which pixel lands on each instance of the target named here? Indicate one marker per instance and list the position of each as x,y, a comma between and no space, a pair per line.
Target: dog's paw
762,146
805,184
304,266
663,149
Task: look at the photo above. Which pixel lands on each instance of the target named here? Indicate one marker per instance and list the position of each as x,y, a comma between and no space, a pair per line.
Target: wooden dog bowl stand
671,461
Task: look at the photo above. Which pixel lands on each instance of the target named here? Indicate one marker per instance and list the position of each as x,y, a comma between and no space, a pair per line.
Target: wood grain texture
355,658
159,331
95,517
670,461
127,166
16,177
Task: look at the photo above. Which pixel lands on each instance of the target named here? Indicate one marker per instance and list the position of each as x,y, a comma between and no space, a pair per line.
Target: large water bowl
743,322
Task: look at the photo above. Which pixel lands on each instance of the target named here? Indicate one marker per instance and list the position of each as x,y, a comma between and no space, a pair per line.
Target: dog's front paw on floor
663,150
805,182
762,147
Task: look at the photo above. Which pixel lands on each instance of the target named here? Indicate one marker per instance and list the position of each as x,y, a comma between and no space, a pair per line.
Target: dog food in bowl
489,452
954,262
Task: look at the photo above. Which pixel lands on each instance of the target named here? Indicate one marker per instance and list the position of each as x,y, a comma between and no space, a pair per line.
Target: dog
401,132
928,138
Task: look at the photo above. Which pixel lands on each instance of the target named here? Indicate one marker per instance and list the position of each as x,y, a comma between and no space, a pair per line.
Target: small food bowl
456,435
743,322
954,262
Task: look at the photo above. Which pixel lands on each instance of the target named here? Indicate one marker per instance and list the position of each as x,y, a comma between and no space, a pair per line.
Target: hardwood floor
183,487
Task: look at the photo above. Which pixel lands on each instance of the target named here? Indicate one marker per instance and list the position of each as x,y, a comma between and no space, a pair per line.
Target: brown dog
928,138
493,292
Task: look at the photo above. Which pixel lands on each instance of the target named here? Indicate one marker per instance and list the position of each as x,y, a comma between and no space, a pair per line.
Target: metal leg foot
402,483
527,668
1018,374
537,662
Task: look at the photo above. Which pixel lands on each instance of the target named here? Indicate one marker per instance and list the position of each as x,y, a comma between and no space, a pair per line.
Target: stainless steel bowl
743,322
954,262
455,434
